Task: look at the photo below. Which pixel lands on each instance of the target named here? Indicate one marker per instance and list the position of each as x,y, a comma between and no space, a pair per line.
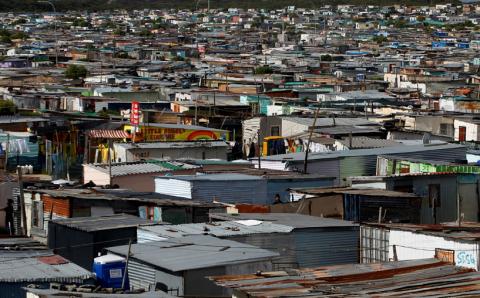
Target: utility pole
196,115
259,149
305,162
55,28
22,201
6,153
110,162
124,278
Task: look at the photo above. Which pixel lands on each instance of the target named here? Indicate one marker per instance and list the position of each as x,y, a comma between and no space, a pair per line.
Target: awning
108,134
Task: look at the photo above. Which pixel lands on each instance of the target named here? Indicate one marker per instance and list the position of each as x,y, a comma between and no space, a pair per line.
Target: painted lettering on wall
466,259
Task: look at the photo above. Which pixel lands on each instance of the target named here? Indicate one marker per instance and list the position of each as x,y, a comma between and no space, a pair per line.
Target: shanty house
448,195
453,243
361,162
82,239
136,176
301,240
357,205
19,269
417,278
236,187
179,266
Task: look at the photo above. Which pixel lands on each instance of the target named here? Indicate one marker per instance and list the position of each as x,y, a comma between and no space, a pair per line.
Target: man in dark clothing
277,200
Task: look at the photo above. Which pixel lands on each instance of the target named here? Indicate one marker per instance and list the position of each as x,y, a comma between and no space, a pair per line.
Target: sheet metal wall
322,247
420,184
282,243
327,167
82,247
173,187
241,191
360,208
140,275
309,247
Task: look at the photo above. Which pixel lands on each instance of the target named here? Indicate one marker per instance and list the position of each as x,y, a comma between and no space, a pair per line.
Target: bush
76,72
7,107
265,69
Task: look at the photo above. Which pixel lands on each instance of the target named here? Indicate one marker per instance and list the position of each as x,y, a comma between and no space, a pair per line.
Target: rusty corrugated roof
416,278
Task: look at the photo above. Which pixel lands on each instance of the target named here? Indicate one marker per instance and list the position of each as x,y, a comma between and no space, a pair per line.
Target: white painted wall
173,187
98,177
472,130
290,128
415,246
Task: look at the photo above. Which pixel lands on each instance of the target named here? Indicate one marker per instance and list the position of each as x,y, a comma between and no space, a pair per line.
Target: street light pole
55,28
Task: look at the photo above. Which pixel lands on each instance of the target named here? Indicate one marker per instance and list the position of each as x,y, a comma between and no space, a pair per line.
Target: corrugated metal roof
28,267
50,293
194,252
466,231
329,121
167,144
218,229
294,220
363,152
91,224
125,169
350,190
123,195
214,177
418,278
364,142
346,129
184,126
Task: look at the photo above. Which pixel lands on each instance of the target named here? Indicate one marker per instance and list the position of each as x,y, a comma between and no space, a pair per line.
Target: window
434,195
275,131
444,129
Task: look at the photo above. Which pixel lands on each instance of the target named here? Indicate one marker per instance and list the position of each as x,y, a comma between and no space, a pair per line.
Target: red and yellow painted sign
155,133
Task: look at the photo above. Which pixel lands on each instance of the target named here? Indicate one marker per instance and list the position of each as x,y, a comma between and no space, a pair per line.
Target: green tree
76,71
326,58
19,21
265,69
7,107
380,39
19,35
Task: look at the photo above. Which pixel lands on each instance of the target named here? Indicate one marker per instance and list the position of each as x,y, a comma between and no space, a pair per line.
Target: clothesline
15,146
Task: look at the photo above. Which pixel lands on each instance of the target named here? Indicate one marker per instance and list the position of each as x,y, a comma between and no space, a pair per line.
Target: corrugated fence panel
141,276
322,247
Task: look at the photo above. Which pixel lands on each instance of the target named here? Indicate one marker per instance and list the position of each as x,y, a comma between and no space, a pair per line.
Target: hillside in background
63,5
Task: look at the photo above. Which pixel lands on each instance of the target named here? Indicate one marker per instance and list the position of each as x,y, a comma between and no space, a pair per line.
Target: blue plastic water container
109,271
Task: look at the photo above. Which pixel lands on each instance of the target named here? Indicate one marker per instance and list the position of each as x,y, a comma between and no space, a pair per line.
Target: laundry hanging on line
16,146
